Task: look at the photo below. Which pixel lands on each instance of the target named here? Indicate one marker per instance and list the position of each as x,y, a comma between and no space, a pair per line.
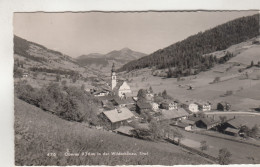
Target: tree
141,94
224,156
254,131
150,89
63,83
217,79
58,78
252,63
155,130
164,94
203,145
82,87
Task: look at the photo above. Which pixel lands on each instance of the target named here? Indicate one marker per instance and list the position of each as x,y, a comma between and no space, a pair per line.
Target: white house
155,106
101,93
193,107
204,106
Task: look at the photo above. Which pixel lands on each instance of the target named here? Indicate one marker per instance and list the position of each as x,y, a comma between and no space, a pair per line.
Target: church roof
118,85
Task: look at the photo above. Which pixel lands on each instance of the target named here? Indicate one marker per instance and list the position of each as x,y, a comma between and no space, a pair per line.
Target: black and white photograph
136,87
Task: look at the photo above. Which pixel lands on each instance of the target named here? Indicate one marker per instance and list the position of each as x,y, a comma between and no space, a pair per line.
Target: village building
125,130
25,74
223,106
143,107
193,107
120,88
176,114
169,105
101,93
233,126
115,118
231,131
205,122
204,106
155,106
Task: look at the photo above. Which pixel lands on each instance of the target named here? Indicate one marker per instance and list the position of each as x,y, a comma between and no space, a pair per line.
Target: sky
76,34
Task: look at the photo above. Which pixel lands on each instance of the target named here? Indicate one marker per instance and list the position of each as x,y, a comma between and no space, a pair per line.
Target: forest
188,54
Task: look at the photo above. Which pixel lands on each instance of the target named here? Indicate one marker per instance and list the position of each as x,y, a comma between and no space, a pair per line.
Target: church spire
113,77
113,68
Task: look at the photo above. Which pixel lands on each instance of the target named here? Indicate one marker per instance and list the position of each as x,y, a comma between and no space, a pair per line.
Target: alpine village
196,101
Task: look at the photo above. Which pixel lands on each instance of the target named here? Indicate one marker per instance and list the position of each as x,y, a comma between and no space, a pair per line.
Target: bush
69,103
224,156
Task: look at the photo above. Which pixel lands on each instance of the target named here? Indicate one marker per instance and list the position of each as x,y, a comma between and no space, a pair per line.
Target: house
231,131
119,88
101,93
204,106
124,130
169,105
223,106
235,123
176,114
183,125
143,107
115,118
25,75
207,123
193,107
155,106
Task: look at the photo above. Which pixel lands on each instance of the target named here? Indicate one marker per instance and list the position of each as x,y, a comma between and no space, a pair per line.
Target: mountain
35,57
103,62
189,54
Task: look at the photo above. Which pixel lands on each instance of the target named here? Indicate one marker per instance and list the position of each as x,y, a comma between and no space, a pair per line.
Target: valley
196,101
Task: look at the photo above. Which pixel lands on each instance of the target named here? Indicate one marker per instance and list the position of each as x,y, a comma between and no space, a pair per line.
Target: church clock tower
113,77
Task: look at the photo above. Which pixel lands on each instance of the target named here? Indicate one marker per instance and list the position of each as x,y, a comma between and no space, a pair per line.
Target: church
119,87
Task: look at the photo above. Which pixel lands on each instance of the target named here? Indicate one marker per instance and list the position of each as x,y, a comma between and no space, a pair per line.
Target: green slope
38,133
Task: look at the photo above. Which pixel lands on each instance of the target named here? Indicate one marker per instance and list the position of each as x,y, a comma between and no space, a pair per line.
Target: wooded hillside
188,54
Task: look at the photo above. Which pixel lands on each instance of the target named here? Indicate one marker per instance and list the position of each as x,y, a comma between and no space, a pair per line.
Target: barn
115,118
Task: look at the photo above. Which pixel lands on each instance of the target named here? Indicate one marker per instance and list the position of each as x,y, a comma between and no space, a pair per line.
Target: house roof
143,105
118,85
187,121
209,121
176,113
100,91
168,101
118,114
105,97
124,130
182,124
236,122
232,130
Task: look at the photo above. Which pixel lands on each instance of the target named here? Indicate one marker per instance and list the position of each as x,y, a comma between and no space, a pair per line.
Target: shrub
224,157
203,145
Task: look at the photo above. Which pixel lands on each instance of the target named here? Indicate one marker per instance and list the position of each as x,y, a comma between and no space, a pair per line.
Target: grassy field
38,133
245,91
241,153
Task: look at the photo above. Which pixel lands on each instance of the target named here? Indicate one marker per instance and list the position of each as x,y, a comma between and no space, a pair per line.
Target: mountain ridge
188,53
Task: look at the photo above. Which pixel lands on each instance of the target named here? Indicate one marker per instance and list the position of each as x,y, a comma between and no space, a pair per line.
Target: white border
7,7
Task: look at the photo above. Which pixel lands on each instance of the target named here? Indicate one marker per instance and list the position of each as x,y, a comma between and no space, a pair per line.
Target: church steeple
113,77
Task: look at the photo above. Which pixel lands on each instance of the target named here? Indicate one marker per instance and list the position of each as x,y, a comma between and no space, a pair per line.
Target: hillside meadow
38,133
